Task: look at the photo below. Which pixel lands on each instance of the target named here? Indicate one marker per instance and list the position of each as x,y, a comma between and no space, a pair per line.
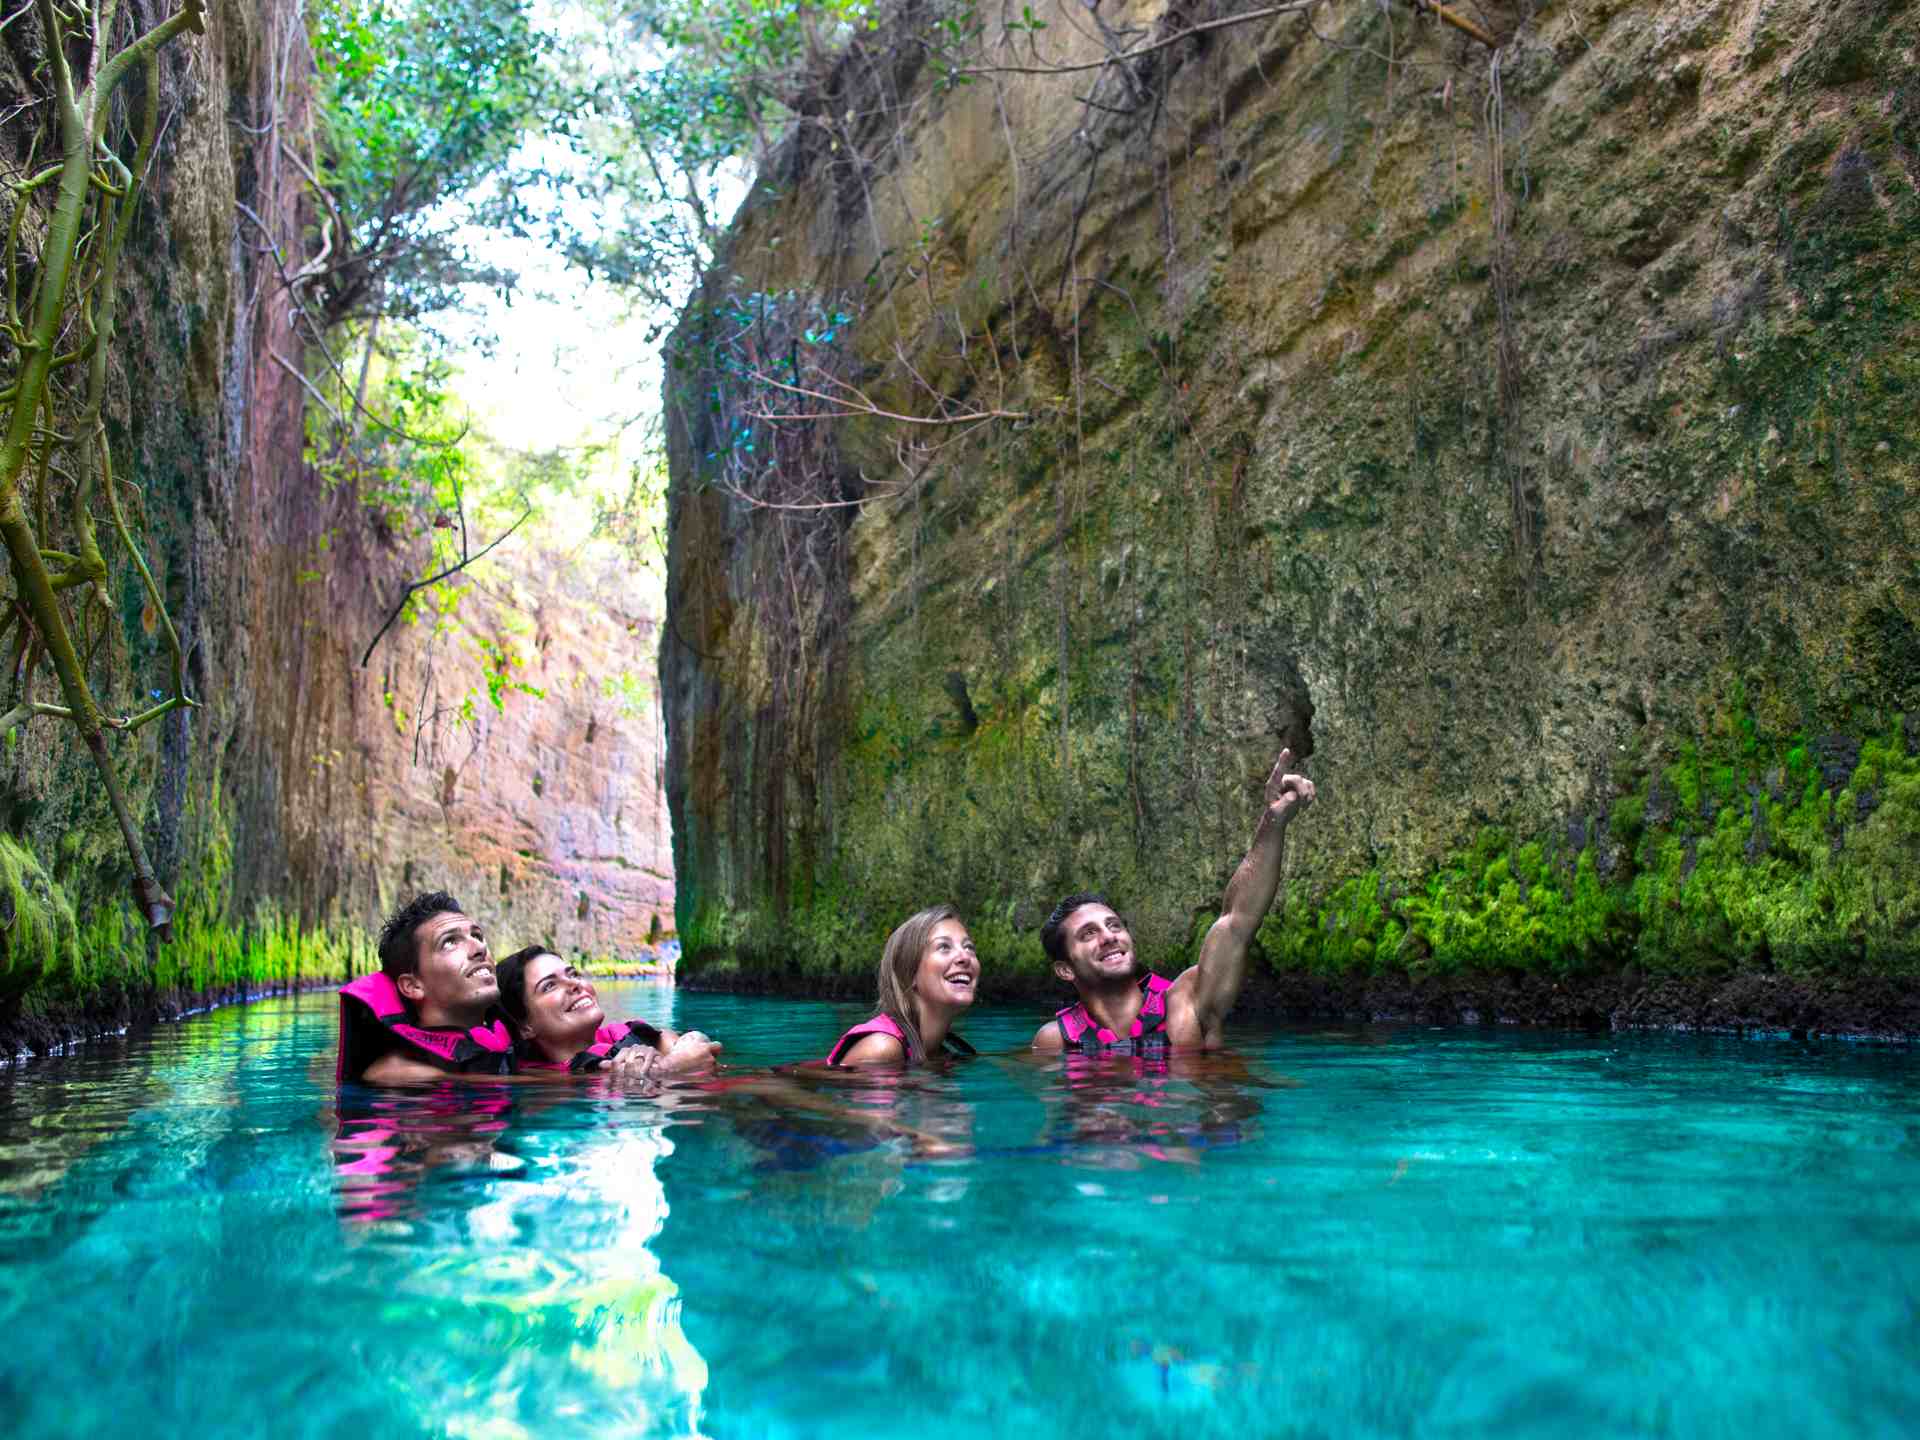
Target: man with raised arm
1123,1007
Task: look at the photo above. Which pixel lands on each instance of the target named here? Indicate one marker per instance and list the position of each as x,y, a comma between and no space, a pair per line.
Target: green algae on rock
1600,677
38,936
1796,859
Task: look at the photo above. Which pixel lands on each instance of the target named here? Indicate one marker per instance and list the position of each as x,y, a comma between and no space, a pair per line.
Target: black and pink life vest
608,1041
375,1018
886,1025
1079,1032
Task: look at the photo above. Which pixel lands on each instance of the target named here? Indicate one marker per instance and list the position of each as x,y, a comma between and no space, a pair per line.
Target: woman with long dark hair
928,975
560,1027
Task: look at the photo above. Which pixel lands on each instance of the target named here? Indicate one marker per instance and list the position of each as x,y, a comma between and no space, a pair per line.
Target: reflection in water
537,1205
387,1141
1436,1233
1119,1111
550,1258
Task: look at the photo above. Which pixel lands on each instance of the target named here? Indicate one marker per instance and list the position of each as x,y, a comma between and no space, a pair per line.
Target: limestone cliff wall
292,808
545,813
1530,442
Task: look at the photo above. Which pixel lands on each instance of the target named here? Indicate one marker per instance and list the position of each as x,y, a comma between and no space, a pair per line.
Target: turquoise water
1402,1232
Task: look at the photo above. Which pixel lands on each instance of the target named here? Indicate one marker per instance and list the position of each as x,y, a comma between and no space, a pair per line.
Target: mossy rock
38,936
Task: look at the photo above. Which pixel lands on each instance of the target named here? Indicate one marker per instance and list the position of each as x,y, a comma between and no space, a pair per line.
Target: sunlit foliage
422,105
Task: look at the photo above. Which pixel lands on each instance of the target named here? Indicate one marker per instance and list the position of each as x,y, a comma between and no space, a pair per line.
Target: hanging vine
55,444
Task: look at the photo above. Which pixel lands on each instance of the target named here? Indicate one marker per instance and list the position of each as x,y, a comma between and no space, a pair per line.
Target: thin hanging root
91,637
179,699
13,247
20,645
45,458
24,658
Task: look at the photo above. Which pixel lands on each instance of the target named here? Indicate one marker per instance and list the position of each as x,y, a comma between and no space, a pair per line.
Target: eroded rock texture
1519,439
547,814
290,810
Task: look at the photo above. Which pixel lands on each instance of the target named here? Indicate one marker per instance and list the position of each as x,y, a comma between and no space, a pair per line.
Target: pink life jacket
1078,1031
375,1018
606,1040
886,1025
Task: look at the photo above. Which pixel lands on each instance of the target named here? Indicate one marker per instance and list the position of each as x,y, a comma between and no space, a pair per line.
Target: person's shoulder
1047,1037
395,1068
873,1048
1179,1002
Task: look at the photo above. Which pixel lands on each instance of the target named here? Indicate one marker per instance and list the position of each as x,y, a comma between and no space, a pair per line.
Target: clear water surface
1369,1233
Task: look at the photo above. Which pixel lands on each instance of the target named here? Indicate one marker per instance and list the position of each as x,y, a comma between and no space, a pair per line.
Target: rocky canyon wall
1522,433
305,793
545,813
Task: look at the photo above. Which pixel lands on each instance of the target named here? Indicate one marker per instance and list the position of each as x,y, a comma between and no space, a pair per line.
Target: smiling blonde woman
928,976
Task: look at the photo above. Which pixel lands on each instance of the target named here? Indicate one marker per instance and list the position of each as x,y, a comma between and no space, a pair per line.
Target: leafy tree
422,105
678,106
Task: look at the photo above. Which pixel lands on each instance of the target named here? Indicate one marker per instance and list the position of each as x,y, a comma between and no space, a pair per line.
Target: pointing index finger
1276,782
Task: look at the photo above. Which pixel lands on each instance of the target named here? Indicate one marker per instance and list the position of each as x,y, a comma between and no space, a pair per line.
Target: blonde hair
899,963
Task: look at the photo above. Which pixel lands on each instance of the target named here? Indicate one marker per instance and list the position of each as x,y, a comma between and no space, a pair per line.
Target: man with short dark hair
432,1008
1124,1007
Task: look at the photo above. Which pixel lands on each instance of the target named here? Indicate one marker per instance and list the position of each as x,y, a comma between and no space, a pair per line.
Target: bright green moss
50,964
1799,878
38,936
1749,859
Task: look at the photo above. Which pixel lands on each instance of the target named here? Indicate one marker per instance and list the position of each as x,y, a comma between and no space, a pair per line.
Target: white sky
566,366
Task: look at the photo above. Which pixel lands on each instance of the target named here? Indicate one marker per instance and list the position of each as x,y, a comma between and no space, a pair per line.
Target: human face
562,1009
1099,948
454,980
949,971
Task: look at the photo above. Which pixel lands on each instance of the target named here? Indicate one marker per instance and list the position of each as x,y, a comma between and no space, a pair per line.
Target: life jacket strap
1079,1032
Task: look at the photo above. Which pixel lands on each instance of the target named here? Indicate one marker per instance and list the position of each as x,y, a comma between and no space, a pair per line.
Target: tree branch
1443,13
1265,13
867,407
418,585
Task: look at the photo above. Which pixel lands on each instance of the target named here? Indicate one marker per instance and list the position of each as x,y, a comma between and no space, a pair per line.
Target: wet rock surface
1267,468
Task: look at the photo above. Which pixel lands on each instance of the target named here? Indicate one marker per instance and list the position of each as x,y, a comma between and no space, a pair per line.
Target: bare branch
1265,13
1448,16
418,585
867,407
325,404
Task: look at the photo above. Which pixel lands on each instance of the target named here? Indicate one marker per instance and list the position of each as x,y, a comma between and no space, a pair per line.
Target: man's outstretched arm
1216,980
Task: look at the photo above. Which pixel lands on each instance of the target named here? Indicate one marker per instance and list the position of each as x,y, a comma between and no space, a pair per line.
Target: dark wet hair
399,955
512,975
1053,930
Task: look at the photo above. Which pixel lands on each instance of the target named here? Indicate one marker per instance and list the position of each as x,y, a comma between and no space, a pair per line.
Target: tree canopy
422,107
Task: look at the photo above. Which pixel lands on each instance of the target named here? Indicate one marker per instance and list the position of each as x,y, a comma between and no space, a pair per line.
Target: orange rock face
544,812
